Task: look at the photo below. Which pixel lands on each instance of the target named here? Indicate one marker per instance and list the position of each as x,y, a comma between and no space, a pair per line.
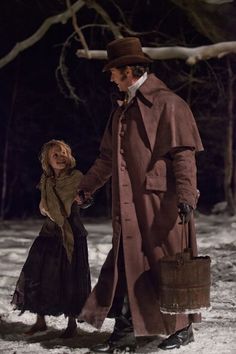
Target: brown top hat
125,51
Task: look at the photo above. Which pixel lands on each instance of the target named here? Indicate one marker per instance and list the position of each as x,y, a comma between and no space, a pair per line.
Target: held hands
185,212
84,199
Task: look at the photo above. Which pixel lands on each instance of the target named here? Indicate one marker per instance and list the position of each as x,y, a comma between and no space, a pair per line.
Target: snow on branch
21,46
191,55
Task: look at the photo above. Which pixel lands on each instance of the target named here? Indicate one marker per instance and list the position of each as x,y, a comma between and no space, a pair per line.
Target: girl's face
58,159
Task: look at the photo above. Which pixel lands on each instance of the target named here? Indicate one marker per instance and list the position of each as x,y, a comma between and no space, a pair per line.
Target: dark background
35,107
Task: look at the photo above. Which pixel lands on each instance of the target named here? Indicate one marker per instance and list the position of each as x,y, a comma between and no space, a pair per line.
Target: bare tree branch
117,7
114,28
191,55
62,73
77,29
62,18
215,19
21,46
130,32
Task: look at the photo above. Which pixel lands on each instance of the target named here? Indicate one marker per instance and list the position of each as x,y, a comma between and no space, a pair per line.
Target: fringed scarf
57,197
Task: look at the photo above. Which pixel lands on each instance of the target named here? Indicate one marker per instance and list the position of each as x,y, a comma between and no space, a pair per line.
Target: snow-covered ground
216,333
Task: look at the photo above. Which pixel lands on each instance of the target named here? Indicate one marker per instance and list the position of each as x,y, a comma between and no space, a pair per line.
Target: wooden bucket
184,283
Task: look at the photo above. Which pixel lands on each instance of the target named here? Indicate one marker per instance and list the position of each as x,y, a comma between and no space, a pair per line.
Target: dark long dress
48,284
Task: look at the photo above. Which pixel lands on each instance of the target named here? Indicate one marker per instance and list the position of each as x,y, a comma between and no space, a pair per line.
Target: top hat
125,51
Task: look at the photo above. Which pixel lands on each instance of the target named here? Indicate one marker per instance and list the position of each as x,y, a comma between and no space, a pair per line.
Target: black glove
87,202
185,212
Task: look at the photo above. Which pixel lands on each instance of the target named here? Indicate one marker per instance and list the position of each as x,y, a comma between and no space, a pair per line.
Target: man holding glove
148,148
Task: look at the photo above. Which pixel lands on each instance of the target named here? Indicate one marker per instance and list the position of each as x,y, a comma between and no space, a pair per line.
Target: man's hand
84,199
185,212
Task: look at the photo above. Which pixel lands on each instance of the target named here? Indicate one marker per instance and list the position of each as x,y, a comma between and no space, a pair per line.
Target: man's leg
122,336
123,329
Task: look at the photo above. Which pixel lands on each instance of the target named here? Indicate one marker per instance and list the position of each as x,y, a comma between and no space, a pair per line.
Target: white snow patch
216,333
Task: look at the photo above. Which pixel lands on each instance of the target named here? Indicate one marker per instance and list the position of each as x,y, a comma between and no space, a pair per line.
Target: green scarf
57,197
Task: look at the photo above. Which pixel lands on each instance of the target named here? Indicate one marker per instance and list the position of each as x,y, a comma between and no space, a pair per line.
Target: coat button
121,151
122,133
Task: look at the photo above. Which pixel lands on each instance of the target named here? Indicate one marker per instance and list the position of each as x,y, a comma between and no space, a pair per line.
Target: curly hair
44,155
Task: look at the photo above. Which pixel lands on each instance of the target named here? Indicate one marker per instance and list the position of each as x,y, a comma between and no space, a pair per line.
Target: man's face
122,79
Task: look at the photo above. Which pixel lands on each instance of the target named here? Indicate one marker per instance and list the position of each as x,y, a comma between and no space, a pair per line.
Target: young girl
55,278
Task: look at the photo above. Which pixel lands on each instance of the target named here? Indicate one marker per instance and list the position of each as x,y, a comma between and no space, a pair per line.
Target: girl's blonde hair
44,159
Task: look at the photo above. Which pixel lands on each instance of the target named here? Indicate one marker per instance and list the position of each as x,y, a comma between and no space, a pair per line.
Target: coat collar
147,91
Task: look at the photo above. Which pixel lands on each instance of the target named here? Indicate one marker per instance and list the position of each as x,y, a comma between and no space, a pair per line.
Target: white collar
133,88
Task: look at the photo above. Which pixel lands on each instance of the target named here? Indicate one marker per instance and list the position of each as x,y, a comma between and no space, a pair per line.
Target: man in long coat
148,148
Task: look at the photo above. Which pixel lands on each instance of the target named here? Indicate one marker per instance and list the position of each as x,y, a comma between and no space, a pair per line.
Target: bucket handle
185,235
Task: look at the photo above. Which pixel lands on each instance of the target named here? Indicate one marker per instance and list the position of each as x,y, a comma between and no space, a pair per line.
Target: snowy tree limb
191,55
21,46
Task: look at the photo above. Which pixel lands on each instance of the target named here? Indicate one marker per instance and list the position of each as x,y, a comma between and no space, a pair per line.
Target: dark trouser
123,320
122,337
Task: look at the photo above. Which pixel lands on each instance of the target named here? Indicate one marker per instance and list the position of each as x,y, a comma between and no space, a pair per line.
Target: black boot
181,337
122,338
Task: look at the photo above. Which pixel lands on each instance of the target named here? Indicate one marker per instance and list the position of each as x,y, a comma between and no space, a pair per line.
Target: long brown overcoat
149,179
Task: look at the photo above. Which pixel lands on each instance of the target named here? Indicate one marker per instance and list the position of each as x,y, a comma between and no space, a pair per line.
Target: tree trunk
6,150
229,156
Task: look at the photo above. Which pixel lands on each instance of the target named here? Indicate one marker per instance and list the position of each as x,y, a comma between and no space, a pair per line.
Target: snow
216,334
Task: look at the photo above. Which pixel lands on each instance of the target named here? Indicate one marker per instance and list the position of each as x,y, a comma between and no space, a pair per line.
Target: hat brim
127,60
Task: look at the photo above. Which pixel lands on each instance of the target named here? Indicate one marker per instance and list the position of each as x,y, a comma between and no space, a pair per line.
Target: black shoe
182,337
123,327
121,339
110,347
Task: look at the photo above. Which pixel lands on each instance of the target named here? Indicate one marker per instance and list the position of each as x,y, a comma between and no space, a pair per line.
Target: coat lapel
145,98
148,119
